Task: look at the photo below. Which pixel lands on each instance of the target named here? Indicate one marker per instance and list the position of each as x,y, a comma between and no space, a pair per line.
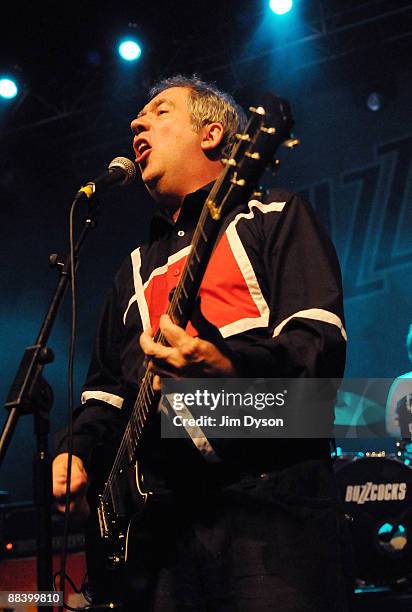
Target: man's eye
162,111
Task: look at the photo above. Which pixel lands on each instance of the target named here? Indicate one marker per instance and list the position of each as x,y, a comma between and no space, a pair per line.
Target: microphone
121,171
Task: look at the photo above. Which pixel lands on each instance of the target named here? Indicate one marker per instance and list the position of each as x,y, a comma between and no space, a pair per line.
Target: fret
184,291
146,395
144,411
140,398
133,444
130,448
140,422
195,254
205,238
150,393
135,430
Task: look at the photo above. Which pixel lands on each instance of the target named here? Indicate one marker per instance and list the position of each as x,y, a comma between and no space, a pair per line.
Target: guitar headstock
278,119
269,127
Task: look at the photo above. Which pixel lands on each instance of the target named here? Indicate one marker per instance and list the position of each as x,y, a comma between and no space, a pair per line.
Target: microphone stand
30,393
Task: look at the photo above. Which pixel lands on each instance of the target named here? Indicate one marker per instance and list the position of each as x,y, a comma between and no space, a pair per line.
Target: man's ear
212,135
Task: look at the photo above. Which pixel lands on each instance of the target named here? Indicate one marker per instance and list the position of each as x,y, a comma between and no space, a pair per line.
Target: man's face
167,148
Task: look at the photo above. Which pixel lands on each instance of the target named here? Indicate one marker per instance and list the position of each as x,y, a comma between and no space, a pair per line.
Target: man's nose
139,125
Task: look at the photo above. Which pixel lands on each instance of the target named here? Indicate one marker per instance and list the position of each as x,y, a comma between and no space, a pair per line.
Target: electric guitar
124,495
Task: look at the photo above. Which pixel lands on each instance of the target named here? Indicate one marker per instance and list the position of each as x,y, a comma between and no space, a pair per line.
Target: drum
377,497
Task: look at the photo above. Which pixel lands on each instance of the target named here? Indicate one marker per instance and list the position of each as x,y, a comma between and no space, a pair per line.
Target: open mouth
142,151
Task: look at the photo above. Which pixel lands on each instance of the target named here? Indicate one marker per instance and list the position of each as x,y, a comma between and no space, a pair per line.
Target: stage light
130,50
8,88
280,7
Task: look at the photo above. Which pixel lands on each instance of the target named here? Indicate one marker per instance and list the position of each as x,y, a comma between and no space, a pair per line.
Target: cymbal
357,410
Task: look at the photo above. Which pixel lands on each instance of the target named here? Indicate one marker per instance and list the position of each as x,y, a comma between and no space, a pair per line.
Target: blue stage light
8,88
130,50
280,7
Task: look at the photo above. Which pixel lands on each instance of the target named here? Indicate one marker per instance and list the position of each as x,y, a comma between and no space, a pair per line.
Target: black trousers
270,542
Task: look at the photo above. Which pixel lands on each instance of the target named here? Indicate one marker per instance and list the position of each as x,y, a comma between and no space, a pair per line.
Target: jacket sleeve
299,275
100,417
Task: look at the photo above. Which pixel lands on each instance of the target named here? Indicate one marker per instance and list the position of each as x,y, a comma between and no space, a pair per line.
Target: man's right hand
78,485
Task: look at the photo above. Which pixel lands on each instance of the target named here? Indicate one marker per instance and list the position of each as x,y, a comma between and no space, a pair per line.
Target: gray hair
206,105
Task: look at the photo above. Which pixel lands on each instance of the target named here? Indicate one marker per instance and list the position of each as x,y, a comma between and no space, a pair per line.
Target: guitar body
108,557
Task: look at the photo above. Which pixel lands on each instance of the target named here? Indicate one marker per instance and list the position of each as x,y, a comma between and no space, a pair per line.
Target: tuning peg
254,155
291,143
259,110
229,162
268,130
238,182
244,137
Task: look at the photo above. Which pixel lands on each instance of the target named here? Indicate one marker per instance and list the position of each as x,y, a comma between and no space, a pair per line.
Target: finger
146,341
153,349
175,335
157,383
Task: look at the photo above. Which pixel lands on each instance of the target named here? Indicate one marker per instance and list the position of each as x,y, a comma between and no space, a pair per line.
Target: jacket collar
192,205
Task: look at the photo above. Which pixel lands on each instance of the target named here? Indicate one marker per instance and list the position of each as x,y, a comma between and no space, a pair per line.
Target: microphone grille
127,165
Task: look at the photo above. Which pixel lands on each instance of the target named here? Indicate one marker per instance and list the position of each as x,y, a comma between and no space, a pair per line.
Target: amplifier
18,531
18,564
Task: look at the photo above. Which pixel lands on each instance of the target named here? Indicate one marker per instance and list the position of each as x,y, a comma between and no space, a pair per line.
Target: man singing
256,525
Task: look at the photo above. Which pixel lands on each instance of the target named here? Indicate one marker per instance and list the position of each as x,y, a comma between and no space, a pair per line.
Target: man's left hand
185,355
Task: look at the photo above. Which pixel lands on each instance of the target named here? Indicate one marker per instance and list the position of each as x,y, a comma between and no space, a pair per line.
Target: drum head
377,495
